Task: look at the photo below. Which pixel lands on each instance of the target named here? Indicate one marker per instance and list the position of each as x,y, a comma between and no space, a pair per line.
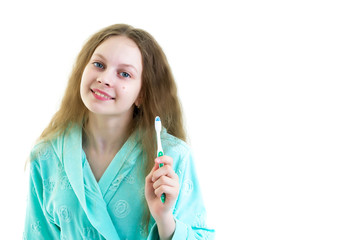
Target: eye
125,75
98,65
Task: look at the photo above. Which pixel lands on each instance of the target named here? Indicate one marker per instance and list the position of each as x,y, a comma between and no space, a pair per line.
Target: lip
105,97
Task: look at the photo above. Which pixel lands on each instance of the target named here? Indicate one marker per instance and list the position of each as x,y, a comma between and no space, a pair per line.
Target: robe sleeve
189,212
37,223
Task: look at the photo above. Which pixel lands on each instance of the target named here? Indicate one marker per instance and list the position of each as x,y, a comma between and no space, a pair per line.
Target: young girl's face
111,81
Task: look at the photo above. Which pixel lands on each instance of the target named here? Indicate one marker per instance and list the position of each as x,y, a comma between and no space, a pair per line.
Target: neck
106,134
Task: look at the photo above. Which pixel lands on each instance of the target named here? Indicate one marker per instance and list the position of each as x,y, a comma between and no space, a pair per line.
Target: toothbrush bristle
158,124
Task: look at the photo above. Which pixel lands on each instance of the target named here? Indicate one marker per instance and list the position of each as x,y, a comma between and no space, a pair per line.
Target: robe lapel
89,197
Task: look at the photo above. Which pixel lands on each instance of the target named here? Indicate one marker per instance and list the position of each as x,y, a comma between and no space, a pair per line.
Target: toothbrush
159,147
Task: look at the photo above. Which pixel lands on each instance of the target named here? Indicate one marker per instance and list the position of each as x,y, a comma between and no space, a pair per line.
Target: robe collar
92,202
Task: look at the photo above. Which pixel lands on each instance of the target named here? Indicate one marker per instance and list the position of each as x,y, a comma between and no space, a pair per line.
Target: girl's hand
159,181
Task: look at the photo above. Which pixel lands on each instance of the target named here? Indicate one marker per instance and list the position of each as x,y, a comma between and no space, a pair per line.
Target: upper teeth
101,95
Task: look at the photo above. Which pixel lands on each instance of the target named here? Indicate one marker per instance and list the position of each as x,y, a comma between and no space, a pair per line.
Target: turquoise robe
66,202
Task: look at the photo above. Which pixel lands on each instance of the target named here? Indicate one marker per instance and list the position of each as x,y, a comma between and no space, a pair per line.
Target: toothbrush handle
163,196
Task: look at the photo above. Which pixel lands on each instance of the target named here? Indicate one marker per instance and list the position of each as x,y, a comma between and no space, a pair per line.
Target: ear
138,102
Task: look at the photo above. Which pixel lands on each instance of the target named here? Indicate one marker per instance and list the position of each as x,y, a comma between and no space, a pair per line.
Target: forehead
120,50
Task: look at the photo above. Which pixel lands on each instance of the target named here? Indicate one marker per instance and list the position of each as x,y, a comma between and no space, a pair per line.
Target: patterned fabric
66,202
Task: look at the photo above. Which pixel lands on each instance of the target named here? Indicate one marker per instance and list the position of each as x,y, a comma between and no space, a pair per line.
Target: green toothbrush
159,147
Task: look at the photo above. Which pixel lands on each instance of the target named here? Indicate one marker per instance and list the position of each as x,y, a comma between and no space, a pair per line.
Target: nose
105,78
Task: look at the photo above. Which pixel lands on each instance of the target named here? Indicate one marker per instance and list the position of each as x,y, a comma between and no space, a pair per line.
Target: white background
270,91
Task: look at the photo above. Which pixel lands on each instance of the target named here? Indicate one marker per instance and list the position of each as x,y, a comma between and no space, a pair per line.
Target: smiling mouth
102,95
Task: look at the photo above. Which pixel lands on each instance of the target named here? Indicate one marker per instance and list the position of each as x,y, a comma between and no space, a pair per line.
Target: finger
149,177
166,160
164,180
164,189
164,171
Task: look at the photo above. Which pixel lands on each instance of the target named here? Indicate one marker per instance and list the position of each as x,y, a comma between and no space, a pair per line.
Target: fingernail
158,160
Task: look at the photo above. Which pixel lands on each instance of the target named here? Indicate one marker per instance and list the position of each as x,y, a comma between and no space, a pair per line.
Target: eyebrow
122,64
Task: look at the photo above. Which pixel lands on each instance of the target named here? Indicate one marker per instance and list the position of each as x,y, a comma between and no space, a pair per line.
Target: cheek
81,88
84,76
129,91
83,84
122,91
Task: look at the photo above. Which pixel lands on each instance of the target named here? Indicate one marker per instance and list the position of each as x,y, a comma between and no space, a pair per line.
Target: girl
94,173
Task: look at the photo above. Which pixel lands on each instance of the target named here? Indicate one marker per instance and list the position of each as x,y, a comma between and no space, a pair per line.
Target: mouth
101,95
